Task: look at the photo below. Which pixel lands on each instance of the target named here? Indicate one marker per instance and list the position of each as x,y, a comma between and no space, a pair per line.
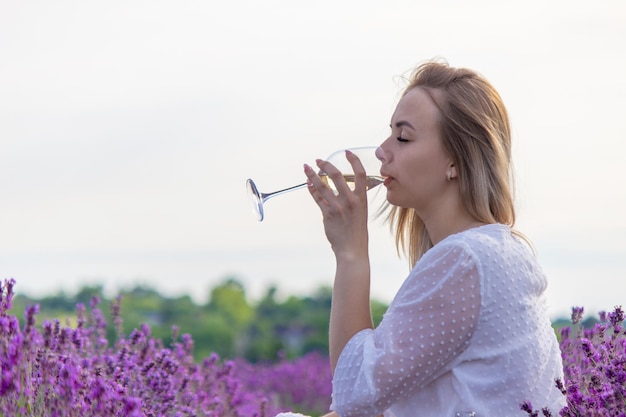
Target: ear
452,171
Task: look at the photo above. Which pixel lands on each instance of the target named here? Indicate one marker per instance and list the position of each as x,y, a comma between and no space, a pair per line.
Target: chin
393,201
397,202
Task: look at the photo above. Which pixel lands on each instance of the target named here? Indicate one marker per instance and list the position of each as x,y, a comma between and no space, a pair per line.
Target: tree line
228,324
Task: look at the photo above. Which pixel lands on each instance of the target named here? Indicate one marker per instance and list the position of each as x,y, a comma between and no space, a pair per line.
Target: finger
360,175
319,200
321,181
316,186
335,175
313,179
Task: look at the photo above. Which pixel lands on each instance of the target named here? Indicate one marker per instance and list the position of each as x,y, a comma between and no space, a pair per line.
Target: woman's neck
447,220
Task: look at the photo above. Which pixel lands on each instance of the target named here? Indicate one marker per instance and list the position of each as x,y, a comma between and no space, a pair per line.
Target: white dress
468,331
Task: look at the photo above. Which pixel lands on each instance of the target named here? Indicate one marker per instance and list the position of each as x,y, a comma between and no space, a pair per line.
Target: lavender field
58,369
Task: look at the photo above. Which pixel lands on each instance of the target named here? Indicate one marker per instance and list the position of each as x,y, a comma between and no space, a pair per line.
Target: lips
387,178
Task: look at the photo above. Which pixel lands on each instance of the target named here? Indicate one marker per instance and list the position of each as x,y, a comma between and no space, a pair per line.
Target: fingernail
307,168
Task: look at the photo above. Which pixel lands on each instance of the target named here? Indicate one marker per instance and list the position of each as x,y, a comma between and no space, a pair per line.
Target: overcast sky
128,129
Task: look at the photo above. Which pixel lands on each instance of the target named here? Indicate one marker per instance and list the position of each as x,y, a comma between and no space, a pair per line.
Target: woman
468,330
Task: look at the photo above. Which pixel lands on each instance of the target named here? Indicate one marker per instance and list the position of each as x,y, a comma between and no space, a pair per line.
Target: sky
128,129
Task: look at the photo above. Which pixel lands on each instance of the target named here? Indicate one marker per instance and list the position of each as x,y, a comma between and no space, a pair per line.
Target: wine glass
367,155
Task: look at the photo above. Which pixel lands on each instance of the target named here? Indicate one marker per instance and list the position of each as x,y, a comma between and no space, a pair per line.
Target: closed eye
401,139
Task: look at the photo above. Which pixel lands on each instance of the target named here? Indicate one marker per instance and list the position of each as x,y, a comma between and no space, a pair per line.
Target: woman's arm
350,310
345,224
428,324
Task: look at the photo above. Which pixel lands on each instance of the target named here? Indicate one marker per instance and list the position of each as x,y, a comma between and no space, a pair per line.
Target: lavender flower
616,318
594,362
577,314
73,372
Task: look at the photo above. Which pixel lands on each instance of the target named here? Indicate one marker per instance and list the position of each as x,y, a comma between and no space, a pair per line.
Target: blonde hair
476,133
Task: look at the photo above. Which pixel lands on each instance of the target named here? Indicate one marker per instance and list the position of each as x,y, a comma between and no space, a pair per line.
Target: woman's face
414,162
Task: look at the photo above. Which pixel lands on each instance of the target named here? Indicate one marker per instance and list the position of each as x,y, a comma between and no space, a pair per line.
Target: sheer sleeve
428,324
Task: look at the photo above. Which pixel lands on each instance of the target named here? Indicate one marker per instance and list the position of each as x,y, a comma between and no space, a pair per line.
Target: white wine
372,181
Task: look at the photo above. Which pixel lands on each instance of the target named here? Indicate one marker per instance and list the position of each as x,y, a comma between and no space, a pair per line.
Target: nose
380,154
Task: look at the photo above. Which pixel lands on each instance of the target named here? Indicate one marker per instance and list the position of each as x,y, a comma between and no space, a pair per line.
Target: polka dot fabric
467,331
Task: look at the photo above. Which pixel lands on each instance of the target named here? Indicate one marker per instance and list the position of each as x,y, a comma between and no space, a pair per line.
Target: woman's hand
344,212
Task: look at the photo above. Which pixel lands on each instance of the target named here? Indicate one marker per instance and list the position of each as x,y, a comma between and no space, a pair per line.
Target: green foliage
228,324
562,322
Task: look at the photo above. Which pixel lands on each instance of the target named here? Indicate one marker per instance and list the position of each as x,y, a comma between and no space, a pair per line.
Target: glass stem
267,196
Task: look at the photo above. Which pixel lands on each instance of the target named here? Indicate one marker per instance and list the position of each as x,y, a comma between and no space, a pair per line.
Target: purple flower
616,318
56,370
577,314
528,407
594,362
6,295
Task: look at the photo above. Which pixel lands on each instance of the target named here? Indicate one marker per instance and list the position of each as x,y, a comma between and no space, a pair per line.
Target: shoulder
468,242
489,234
481,241
476,247
460,251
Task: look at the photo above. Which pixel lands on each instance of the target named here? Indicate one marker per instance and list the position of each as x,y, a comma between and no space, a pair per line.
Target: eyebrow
402,123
